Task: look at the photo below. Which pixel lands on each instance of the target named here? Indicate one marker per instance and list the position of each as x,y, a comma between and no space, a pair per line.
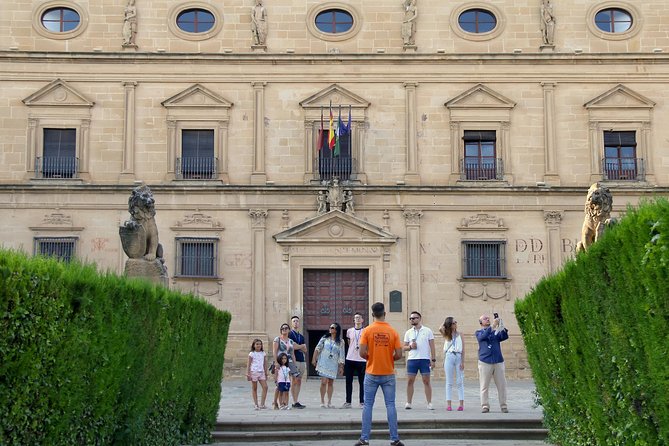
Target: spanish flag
331,133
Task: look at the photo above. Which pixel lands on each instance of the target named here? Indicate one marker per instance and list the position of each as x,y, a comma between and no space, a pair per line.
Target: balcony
196,168
481,169
623,169
343,168
56,167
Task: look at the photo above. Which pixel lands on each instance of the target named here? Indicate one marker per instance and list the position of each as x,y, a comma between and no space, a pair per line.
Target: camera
495,315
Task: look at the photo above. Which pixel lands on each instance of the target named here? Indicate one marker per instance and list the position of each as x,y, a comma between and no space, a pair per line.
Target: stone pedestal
547,48
152,270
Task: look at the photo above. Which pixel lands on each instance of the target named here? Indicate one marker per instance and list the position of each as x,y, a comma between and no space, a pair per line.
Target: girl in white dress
256,372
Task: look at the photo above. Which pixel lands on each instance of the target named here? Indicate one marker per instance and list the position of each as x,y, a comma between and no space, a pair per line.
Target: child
256,371
283,381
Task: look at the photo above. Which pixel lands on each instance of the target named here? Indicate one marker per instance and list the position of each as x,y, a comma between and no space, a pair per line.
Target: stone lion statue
598,206
139,235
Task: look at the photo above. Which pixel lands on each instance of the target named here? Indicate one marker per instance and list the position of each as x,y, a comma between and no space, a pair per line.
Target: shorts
256,376
294,370
283,387
301,367
414,365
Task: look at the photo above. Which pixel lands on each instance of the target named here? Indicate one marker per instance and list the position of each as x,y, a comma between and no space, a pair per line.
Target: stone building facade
469,138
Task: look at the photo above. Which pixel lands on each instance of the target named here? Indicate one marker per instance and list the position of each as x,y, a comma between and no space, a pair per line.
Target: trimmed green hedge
597,337
95,359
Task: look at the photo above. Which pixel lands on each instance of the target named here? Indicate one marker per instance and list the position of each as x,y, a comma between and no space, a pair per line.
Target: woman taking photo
328,359
454,361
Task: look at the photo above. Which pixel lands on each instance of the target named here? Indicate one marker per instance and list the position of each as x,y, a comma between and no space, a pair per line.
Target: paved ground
236,405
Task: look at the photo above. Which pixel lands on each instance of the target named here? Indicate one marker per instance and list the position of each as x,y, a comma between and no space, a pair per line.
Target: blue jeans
387,384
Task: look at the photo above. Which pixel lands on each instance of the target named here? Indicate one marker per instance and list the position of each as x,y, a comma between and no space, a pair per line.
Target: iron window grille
197,257
62,248
484,259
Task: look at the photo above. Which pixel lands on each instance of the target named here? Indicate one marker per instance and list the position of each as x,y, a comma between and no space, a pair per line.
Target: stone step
342,430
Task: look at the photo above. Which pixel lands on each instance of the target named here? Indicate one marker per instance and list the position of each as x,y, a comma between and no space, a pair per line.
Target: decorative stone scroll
485,290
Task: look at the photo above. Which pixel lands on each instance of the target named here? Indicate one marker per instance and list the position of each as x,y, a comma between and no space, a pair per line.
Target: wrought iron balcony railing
481,169
56,167
196,168
343,168
623,169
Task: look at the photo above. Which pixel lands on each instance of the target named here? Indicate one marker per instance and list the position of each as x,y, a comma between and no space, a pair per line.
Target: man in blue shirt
300,350
491,361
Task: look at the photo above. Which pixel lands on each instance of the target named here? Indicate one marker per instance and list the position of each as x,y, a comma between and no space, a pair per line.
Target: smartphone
495,315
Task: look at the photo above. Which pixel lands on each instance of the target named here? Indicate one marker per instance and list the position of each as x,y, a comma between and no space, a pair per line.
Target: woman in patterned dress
328,359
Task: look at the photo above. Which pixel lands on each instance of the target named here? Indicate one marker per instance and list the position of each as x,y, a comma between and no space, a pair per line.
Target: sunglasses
285,328
332,327
413,318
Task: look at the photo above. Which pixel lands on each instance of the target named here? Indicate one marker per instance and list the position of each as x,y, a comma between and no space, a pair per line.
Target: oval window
195,21
334,21
60,20
613,20
477,21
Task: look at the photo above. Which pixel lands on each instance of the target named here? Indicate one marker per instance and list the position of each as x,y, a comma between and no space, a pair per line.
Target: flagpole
350,133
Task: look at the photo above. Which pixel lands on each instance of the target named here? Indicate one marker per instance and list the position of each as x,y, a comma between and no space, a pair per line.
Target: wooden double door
333,295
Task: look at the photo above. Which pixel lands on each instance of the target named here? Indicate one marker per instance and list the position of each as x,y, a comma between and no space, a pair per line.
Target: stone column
412,217
411,176
309,151
128,171
223,151
171,149
31,144
550,155
553,220
456,152
648,161
84,145
595,152
258,176
506,154
258,272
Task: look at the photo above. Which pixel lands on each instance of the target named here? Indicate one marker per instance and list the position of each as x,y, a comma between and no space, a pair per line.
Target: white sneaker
407,406
429,406
346,406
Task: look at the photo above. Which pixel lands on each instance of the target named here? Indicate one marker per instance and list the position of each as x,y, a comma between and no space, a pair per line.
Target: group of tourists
371,355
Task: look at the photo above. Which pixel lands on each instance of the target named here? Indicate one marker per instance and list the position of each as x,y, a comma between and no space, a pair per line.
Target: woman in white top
454,361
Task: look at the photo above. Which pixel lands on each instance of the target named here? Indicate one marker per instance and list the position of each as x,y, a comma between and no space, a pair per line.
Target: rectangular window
620,162
197,257
483,259
63,248
58,154
197,154
480,162
333,162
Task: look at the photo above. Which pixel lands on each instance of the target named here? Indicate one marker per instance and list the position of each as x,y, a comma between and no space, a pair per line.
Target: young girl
256,372
282,377
454,361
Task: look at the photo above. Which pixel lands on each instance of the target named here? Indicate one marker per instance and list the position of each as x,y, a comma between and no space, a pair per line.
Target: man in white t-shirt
355,364
419,342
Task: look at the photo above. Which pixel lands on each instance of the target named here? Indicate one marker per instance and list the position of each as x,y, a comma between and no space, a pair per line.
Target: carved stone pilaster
412,216
258,217
553,217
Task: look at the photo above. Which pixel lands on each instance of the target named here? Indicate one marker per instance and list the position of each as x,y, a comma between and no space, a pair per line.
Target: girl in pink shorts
256,372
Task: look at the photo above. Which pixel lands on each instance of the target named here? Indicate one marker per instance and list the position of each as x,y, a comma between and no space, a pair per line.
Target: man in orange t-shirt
380,345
